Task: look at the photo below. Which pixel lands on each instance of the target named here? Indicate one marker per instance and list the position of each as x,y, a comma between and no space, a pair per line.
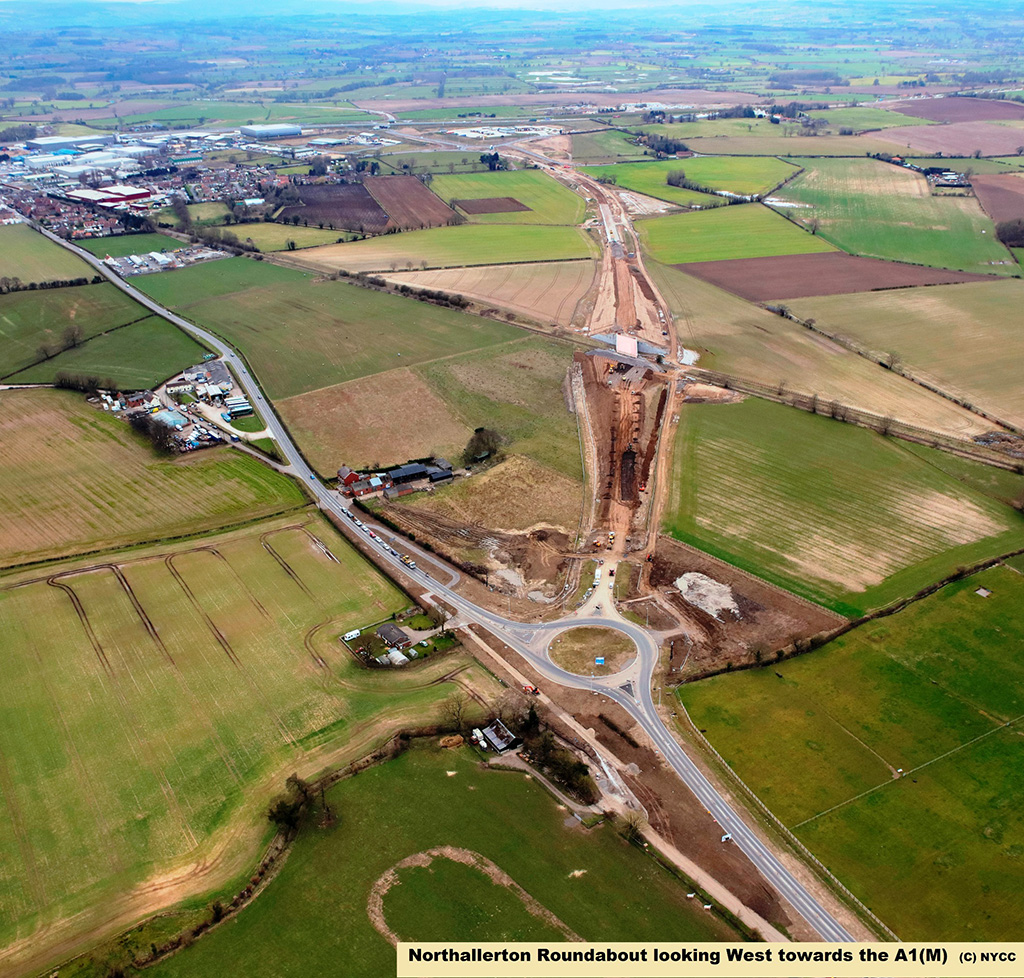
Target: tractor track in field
83,618
223,642
238,577
158,641
285,566
141,749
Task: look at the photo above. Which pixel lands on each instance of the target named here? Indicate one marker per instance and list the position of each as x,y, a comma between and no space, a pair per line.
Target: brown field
515,495
955,139
348,206
408,203
1001,195
547,292
829,273
960,109
373,421
491,205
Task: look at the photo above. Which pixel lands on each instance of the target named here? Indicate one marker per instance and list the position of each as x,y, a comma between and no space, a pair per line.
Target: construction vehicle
532,690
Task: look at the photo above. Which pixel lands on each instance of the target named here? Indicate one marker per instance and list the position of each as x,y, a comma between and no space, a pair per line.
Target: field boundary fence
897,368
883,424
806,853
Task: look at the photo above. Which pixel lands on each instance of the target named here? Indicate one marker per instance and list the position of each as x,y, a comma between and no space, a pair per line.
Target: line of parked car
359,524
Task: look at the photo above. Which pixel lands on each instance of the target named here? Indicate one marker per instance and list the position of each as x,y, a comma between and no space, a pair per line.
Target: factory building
270,131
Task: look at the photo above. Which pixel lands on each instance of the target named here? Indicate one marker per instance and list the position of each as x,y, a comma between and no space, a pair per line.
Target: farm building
280,131
365,486
394,636
499,738
347,476
407,473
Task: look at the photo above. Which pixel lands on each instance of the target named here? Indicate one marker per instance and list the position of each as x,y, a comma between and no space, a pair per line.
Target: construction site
625,402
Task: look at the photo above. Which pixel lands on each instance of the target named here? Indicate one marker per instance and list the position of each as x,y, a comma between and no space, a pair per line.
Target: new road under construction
628,400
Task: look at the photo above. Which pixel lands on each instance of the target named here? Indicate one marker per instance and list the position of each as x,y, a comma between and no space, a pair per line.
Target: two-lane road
631,689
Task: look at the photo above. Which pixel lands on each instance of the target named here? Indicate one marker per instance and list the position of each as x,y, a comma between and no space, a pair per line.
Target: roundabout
593,650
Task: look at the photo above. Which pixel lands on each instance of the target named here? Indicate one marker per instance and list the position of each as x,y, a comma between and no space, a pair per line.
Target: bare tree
512,708
453,710
72,336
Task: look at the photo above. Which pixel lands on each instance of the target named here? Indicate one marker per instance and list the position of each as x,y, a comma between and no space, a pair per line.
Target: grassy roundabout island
577,649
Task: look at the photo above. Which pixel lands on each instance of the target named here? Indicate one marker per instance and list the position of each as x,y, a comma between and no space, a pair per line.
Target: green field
275,237
140,355
452,247
300,336
77,479
427,161
743,175
204,111
937,690
322,890
964,338
550,202
608,144
153,740
26,255
835,513
739,231
203,215
861,118
868,207
432,409
130,244
29,320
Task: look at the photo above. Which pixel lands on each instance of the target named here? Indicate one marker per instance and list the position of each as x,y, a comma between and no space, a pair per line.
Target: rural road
631,689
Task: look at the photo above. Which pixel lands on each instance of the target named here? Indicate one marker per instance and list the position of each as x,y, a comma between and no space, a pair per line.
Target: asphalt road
631,689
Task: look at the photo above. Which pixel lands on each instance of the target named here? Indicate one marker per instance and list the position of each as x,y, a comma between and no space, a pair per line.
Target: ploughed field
1001,195
894,753
547,292
827,273
835,513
